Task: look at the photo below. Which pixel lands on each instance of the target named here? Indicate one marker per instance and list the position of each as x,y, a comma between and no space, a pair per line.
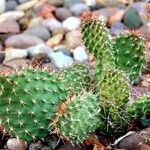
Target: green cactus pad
28,100
114,91
76,78
129,53
96,38
140,108
79,118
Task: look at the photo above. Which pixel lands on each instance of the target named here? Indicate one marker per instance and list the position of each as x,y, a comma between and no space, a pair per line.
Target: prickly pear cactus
140,108
129,52
96,37
77,117
28,100
76,78
114,91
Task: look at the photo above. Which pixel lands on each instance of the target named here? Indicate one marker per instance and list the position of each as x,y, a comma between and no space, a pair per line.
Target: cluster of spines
28,100
77,117
129,54
75,78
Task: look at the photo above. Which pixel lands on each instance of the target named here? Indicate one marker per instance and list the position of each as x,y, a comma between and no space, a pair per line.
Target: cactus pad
28,100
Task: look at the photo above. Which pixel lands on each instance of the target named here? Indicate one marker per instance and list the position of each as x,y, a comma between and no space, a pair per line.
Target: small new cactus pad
75,78
77,117
129,53
96,37
28,100
114,91
140,108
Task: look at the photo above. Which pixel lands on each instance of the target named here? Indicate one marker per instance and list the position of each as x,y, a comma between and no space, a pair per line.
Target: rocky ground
48,32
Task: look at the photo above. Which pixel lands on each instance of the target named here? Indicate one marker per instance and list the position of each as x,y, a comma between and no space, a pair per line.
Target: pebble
79,8
11,54
141,147
60,60
2,6
55,40
22,1
69,3
9,26
24,23
52,24
35,146
145,30
36,21
141,7
71,23
40,48
22,41
39,31
27,5
117,28
2,56
73,39
11,5
63,50
89,2
62,13
79,54
16,144
56,2
11,15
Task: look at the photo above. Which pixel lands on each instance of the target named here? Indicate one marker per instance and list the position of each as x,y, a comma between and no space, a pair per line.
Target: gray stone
2,6
22,1
71,23
39,31
52,24
2,56
11,5
56,2
63,50
9,26
60,60
62,13
79,8
40,48
69,3
80,54
22,41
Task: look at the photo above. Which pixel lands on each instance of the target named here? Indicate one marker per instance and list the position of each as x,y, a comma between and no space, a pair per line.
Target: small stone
80,54
9,26
79,8
132,18
55,40
60,60
73,39
69,3
116,17
11,5
63,50
22,1
27,5
38,31
62,13
11,15
2,6
35,146
56,2
117,28
24,22
52,24
37,21
90,2
22,41
11,54
145,30
141,147
16,144
2,56
71,23
40,48
145,83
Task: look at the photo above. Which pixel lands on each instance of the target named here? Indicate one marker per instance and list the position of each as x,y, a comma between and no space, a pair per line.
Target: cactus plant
75,78
129,52
77,117
96,37
114,91
139,108
28,100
